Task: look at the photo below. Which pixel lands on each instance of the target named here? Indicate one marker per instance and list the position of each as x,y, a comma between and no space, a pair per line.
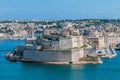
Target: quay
107,53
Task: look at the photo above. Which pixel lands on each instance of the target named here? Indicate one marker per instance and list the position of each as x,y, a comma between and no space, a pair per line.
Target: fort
55,49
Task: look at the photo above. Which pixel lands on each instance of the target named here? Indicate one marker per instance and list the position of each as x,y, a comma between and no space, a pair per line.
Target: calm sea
109,70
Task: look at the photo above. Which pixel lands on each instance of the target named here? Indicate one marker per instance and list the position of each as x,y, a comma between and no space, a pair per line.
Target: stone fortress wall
65,56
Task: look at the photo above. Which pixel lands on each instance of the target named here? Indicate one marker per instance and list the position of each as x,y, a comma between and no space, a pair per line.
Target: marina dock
108,53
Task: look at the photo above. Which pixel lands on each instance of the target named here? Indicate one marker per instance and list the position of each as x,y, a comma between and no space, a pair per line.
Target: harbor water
109,70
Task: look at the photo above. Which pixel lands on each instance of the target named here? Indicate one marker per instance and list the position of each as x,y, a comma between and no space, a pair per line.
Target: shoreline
78,62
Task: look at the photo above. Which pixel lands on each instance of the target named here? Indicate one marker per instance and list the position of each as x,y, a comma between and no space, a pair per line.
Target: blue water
109,70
